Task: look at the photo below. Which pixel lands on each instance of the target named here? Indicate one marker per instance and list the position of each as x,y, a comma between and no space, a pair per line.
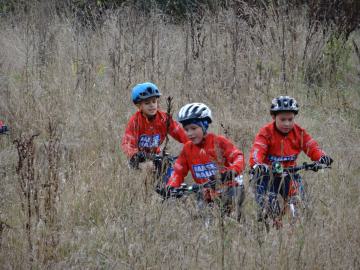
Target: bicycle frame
296,193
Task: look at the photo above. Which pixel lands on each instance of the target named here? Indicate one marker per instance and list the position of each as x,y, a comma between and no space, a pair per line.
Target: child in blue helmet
148,127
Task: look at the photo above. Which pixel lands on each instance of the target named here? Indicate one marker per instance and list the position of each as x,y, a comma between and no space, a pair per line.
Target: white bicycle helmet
194,111
284,104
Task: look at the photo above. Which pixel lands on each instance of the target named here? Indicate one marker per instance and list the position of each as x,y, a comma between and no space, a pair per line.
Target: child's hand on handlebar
136,159
326,160
165,192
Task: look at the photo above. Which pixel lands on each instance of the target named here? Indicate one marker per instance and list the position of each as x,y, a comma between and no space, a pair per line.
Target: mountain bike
295,200
227,195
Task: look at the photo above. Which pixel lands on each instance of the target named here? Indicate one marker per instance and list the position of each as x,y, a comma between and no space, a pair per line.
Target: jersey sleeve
259,148
130,138
310,147
181,169
233,156
177,132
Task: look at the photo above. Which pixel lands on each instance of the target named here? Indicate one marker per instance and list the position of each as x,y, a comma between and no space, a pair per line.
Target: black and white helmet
194,111
284,104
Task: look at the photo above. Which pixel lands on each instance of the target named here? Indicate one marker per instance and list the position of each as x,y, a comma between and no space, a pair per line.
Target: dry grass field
67,197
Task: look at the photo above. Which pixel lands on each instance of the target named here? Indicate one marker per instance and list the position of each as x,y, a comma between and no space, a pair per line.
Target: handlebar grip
318,166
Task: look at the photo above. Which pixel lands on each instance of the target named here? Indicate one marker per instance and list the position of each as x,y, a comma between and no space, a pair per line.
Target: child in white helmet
206,155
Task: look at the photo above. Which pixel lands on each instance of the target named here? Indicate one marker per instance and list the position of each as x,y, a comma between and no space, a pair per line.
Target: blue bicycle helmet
143,91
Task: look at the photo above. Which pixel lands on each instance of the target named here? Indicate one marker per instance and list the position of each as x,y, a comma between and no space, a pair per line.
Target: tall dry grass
71,85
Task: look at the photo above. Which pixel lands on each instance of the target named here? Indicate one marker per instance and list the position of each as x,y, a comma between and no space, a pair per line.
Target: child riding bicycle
148,127
276,146
3,128
207,156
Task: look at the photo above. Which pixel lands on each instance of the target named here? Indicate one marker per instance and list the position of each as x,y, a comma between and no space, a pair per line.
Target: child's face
194,133
149,106
284,121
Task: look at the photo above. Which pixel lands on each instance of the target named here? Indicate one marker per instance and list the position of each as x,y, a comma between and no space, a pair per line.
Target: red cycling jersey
215,154
271,145
146,135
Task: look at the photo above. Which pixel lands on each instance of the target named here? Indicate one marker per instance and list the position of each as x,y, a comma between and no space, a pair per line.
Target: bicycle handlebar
314,166
184,189
155,157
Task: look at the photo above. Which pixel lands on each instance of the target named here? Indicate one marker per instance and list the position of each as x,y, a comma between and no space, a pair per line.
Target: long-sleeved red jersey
270,146
214,155
144,135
